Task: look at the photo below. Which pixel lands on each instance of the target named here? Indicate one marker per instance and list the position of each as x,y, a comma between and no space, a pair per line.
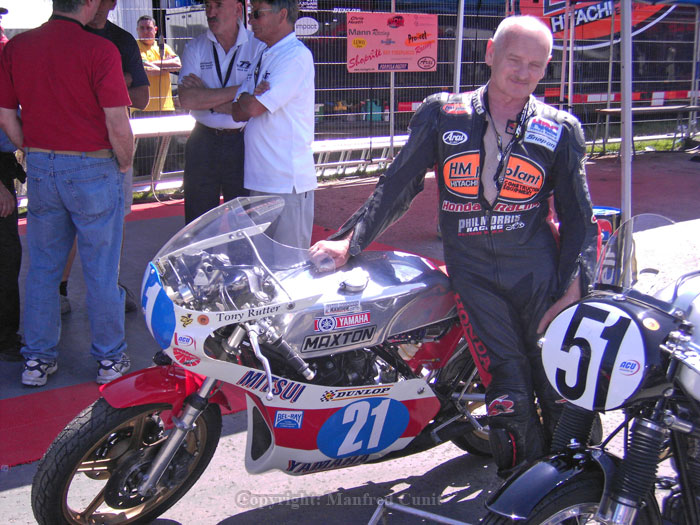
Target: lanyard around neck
223,81
256,73
504,154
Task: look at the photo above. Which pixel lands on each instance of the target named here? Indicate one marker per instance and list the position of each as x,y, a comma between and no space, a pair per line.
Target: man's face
105,6
517,63
146,30
266,26
223,15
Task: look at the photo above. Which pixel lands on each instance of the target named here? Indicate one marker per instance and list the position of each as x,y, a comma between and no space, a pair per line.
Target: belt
99,154
219,131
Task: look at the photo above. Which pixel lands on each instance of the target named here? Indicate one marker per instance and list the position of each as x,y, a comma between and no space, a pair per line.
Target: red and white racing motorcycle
337,368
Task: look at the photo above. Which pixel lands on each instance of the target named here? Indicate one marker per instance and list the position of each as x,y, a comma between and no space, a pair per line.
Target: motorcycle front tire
575,501
102,442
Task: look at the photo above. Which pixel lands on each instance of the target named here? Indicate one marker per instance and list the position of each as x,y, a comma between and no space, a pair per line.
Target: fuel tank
375,296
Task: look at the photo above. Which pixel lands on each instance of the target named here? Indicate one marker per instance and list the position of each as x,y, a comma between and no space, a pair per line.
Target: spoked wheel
476,441
92,470
575,503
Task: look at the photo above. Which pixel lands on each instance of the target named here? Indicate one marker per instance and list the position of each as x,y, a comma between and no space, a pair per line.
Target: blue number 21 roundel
363,427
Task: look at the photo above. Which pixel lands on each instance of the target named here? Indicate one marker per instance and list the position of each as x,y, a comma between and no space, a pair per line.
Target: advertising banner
391,42
592,19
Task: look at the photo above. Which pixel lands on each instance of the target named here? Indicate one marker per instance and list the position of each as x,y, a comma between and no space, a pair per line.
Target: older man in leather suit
500,156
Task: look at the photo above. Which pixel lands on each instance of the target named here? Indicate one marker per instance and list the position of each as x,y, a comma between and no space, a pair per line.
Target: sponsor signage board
391,42
592,19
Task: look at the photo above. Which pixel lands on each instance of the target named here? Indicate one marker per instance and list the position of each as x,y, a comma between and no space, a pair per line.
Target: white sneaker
109,369
37,371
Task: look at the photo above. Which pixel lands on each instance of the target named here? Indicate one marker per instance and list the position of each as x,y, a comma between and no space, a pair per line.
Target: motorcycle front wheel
92,470
575,503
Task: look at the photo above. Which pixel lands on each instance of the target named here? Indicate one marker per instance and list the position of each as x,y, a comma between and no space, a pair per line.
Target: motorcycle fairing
157,307
300,417
168,385
521,493
164,318
326,432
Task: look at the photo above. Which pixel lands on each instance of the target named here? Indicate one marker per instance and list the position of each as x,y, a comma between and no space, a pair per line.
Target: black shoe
130,304
11,353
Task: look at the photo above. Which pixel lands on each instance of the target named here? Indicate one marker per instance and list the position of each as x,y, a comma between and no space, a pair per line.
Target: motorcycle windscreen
646,254
224,262
250,214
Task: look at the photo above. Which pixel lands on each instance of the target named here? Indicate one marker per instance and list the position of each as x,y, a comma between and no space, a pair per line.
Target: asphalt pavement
443,480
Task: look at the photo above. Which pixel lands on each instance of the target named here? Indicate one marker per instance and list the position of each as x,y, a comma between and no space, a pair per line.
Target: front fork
193,407
636,475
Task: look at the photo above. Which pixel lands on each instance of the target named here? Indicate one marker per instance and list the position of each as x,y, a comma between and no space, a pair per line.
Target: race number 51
593,355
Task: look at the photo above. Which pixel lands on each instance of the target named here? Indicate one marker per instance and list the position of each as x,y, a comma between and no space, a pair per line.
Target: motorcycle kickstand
194,406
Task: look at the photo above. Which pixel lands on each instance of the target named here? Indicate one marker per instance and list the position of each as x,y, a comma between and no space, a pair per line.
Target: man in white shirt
280,129
213,66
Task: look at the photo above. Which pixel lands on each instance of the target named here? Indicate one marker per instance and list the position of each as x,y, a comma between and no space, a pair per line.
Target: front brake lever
253,335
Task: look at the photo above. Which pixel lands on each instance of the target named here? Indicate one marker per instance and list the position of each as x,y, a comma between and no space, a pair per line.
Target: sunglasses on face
256,12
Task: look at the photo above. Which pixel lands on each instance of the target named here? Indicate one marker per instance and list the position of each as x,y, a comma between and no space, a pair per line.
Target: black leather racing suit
503,259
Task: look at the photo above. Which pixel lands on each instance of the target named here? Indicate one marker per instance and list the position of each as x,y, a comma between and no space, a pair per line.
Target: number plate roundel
363,427
159,312
593,355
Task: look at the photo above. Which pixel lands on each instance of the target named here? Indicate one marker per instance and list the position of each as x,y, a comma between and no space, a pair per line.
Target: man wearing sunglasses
280,127
214,65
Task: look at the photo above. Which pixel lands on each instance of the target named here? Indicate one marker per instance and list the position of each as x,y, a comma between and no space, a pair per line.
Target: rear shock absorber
574,425
635,477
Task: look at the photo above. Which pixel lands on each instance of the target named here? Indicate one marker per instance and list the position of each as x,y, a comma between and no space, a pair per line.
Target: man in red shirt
76,134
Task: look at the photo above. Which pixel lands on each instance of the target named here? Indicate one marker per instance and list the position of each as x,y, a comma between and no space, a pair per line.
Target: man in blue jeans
76,134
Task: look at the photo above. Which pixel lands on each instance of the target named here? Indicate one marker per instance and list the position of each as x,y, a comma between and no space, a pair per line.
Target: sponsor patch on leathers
543,132
461,174
523,180
454,137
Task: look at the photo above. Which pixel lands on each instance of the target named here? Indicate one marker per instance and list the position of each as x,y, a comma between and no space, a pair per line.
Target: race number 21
363,427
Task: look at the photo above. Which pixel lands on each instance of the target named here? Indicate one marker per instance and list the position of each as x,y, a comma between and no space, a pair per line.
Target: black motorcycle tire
475,442
104,435
582,494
